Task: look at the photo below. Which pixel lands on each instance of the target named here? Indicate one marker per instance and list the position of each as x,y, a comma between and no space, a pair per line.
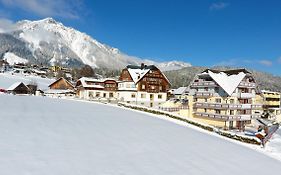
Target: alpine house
143,85
225,99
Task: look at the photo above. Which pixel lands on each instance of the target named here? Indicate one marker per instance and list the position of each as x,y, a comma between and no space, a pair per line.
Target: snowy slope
7,79
12,59
47,136
52,42
273,147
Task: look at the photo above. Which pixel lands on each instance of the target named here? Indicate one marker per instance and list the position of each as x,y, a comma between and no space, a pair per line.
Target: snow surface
12,59
273,147
228,82
7,79
43,136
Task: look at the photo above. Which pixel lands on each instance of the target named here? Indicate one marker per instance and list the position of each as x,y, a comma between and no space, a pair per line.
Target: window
152,87
232,101
206,100
159,96
206,89
160,88
205,110
142,86
231,112
217,111
143,95
218,100
97,94
133,95
195,100
104,95
217,89
110,94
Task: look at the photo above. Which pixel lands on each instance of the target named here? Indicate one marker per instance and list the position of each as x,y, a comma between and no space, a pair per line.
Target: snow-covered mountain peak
53,43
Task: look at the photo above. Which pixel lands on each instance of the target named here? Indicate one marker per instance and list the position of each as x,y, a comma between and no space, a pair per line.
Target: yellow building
225,99
272,104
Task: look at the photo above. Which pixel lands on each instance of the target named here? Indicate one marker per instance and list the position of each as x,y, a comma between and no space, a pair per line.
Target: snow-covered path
43,136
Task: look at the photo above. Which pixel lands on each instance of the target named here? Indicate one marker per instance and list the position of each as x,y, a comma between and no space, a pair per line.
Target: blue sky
245,33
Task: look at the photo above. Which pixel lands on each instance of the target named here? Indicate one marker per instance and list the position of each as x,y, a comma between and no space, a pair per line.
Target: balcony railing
224,117
204,94
203,84
247,84
245,95
227,106
173,109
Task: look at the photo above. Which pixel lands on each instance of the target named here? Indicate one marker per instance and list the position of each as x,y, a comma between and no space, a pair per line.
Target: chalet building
97,89
61,87
225,99
18,88
143,85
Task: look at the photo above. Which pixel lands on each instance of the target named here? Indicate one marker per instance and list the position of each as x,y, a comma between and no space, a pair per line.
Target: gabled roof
138,72
228,82
61,79
84,81
15,85
228,72
180,91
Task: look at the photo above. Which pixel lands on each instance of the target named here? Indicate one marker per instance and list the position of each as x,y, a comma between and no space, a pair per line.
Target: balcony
203,84
224,117
227,106
245,95
203,94
247,84
257,106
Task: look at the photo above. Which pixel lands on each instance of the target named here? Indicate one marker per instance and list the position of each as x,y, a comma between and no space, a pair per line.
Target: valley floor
41,136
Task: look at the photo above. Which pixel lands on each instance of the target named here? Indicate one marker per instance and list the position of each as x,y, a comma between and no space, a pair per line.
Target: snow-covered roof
180,90
58,91
137,74
15,85
228,82
272,92
84,81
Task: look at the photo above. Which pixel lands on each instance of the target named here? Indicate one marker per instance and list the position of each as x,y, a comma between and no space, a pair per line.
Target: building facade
97,89
143,85
225,99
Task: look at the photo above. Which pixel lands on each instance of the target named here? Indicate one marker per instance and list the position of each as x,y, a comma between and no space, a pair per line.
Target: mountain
183,77
50,42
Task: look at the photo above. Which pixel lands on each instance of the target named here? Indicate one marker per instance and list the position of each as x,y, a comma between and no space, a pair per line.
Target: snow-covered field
7,79
43,136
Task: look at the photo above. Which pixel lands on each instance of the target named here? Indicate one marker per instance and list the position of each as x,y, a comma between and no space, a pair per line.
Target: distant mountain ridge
184,76
50,42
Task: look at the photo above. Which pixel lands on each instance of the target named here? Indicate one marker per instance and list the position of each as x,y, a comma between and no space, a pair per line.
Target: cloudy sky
245,33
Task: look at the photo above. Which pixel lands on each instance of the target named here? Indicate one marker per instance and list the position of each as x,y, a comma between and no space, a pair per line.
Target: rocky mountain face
184,76
50,42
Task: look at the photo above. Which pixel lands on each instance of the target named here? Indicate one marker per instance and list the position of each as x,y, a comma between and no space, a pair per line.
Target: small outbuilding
18,88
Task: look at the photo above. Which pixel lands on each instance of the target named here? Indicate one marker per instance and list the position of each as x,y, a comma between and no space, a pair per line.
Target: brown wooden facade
154,81
61,83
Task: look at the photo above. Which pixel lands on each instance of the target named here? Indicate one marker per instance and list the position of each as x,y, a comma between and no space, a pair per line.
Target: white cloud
265,62
6,25
45,8
218,6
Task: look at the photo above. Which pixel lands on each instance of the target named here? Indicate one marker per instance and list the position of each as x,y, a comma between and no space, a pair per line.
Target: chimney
142,65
